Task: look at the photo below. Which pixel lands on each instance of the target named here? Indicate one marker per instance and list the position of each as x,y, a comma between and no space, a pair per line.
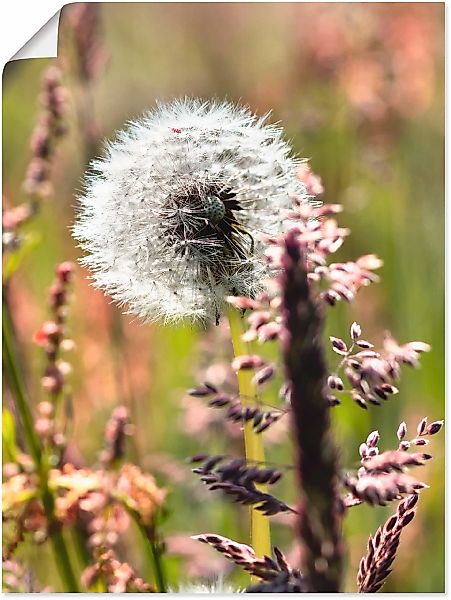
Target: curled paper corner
44,43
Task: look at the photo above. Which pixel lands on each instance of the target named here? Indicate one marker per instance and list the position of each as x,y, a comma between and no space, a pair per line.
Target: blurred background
359,91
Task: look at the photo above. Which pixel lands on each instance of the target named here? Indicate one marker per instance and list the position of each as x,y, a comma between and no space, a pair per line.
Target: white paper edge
21,21
44,43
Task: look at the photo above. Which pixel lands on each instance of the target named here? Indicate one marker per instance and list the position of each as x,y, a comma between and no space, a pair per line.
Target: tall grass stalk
15,381
253,442
152,550
320,507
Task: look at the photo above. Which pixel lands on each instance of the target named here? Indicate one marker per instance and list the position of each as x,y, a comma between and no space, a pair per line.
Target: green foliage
15,260
9,443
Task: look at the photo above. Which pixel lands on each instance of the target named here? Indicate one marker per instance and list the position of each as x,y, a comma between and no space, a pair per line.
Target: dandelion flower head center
202,224
173,217
214,209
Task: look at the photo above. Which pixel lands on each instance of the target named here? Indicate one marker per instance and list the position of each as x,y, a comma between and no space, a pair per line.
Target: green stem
63,561
79,541
158,566
152,551
16,385
12,373
253,442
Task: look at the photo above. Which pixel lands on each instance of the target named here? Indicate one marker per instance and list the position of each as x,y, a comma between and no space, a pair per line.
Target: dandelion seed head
214,587
173,217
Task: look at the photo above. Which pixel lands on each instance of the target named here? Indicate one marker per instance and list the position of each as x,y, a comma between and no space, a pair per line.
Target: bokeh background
359,90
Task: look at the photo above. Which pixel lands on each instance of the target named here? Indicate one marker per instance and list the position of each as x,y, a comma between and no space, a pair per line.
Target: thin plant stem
79,543
63,562
152,550
253,442
12,373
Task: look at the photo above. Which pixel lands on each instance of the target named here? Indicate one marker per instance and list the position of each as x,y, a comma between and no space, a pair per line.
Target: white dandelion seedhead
173,217
213,587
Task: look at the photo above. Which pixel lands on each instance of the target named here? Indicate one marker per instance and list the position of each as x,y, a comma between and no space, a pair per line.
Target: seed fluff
172,218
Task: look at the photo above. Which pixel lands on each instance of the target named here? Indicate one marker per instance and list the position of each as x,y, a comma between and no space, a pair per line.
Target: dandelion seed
173,218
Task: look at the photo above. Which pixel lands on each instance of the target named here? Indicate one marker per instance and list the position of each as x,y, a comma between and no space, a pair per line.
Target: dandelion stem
253,442
12,372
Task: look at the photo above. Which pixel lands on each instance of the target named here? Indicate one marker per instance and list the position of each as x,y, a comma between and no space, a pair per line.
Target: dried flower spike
48,129
264,567
376,565
173,216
